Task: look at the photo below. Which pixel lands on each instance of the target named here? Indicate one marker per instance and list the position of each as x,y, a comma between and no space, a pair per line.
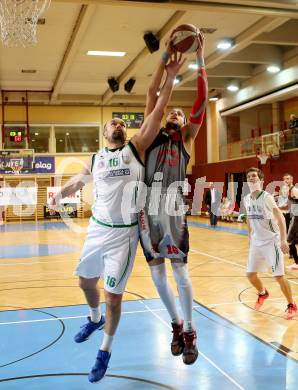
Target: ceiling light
273,69
67,133
36,133
225,44
193,66
106,53
213,99
233,88
60,140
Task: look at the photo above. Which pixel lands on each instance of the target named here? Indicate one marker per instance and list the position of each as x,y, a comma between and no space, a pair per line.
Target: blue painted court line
217,228
43,355
35,250
28,227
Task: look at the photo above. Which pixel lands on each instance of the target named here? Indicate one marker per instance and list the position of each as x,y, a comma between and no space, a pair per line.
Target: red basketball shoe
177,343
261,299
291,311
190,351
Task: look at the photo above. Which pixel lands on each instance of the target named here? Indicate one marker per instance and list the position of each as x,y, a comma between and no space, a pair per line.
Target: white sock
95,314
185,294
188,326
106,342
159,277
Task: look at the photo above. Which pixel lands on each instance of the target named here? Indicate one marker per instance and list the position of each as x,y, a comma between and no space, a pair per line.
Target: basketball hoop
263,157
18,21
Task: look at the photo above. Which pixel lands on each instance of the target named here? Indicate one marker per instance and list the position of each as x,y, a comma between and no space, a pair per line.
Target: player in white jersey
268,240
112,237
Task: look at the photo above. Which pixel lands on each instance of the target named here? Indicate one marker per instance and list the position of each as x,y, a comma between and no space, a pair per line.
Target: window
79,139
39,139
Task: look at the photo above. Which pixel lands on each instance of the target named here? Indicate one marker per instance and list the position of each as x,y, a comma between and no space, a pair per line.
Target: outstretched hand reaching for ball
175,64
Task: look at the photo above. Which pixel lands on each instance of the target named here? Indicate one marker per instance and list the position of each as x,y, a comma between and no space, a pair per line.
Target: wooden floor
217,267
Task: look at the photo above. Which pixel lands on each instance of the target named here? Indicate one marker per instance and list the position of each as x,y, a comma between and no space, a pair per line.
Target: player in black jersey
293,228
163,226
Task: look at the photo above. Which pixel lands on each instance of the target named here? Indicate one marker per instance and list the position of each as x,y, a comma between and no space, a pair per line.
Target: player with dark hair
163,225
109,250
268,243
293,228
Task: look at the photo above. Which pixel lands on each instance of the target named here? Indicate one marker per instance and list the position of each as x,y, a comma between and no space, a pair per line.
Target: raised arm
151,126
152,97
192,127
74,184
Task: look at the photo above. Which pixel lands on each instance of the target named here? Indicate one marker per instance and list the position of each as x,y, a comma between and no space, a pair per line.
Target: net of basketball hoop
18,21
263,157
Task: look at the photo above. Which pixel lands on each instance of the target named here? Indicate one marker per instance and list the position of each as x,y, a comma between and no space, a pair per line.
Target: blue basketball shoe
88,329
100,367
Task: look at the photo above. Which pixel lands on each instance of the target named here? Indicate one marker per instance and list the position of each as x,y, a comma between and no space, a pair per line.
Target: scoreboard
133,120
16,136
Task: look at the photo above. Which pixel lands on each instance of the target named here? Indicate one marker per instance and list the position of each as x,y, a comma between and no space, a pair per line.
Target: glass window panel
80,139
39,139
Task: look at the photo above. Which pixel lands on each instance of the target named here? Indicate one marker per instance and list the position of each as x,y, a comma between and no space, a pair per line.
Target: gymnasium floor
42,308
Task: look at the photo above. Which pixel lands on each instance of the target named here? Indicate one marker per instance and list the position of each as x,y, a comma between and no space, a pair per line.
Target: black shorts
293,231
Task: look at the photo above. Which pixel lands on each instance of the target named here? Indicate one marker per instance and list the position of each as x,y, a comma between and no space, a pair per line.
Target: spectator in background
293,122
293,126
212,201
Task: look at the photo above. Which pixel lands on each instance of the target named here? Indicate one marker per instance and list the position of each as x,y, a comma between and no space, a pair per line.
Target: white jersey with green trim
117,177
259,210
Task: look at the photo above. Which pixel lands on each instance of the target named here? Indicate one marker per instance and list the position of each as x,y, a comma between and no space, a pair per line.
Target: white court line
38,262
42,262
73,317
201,353
209,305
230,262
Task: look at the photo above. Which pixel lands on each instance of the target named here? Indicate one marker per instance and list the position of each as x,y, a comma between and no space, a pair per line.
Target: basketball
185,38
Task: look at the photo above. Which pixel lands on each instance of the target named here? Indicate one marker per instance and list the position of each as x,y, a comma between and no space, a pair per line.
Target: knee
251,275
181,274
158,274
279,278
113,301
87,284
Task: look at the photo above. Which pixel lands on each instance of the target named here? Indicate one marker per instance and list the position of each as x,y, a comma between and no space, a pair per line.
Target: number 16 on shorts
111,282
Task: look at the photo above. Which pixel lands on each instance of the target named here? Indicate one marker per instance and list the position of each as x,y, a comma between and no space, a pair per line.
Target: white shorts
264,257
109,253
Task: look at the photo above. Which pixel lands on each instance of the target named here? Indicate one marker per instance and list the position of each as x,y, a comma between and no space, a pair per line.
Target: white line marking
230,262
69,318
209,305
201,353
41,262
38,262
